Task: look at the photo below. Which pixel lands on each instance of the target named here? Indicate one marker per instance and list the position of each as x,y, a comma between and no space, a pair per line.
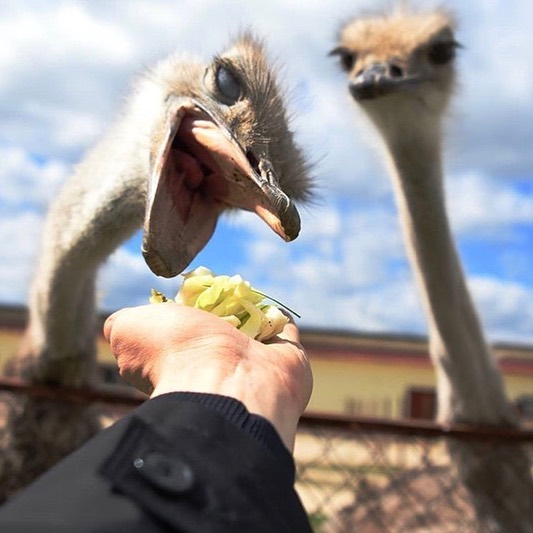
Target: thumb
108,325
290,332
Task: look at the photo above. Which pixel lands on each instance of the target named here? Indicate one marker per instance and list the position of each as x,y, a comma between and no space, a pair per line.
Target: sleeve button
167,473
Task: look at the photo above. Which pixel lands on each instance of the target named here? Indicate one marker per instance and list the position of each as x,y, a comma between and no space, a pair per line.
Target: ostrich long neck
78,237
457,345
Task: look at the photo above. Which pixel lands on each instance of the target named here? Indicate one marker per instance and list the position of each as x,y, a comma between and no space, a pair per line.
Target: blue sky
66,65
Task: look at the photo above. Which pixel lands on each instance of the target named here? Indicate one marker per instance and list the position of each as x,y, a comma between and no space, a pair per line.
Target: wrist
259,398
235,412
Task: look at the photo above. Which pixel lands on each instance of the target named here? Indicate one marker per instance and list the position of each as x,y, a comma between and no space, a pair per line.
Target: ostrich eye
346,57
442,53
347,61
228,85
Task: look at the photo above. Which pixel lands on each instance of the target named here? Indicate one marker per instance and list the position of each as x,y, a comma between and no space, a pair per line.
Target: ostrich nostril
395,71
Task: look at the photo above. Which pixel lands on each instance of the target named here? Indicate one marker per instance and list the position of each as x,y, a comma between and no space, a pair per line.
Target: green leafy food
232,299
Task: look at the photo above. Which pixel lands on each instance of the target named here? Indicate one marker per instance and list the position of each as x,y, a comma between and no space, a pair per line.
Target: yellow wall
104,351
366,387
378,387
9,343
518,385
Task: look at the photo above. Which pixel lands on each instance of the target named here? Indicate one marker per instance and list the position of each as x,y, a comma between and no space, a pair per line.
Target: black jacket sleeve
180,462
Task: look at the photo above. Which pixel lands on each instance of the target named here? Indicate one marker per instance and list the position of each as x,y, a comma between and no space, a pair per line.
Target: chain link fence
354,474
374,476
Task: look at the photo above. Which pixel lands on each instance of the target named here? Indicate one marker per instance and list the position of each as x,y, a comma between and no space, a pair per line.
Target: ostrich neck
470,387
78,236
417,171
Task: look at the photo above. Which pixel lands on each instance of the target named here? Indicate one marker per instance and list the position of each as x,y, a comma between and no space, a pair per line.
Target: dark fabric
181,462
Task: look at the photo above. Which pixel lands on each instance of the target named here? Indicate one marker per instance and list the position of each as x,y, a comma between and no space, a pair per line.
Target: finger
108,325
290,332
169,320
111,320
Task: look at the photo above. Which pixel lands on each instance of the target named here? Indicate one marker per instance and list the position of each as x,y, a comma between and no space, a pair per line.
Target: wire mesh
368,479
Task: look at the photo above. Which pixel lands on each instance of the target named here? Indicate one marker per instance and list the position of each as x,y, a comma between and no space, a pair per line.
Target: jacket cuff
234,412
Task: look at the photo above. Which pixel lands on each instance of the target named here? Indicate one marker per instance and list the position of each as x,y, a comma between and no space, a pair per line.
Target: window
420,403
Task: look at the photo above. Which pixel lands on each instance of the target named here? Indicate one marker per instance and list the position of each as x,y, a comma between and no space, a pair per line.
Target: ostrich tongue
201,172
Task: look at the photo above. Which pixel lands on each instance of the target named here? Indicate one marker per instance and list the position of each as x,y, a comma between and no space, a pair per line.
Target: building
355,373
392,375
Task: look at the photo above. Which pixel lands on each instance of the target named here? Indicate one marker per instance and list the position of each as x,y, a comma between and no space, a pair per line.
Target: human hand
169,348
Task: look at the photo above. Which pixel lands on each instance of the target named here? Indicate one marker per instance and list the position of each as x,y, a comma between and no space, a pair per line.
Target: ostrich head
400,67
222,142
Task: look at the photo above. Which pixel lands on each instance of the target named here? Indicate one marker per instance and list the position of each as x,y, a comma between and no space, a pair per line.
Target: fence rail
423,428
72,394
360,474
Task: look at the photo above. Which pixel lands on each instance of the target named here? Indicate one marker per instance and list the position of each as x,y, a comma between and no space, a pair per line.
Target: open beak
199,172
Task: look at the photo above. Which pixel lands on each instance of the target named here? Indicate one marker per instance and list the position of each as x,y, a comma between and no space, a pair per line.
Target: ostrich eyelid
228,84
347,57
442,52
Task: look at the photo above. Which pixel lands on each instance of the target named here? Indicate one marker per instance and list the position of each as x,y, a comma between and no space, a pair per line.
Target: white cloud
327,294
477,202
20,237
125,280
506,308
343,271
494,110
26,182
66,22
64,67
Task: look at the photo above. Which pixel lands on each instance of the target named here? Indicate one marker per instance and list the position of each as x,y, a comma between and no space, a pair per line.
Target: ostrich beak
380,79
199,172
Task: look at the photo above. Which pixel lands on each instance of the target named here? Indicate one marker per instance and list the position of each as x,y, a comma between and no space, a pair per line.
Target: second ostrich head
222,142
400,67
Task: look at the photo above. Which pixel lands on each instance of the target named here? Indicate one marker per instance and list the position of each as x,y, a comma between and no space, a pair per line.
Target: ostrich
193,141
401,72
